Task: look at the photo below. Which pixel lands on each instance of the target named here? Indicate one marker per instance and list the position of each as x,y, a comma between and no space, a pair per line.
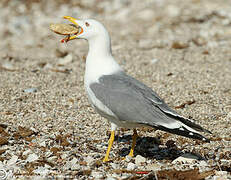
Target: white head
89,29
99,59
95,33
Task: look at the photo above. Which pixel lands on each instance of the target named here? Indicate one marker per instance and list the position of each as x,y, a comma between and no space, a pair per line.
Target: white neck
100,46
99,59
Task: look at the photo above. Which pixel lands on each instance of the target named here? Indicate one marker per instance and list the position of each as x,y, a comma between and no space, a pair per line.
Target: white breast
95,68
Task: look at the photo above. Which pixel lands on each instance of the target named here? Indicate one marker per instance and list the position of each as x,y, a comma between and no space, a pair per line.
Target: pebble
48,66
41,171
12,160
42,144
153,167
179,45
224,161
153,61
32,157
128,158
52,159
89,160
97,175
33,129
131,166
203,163
139,160
111,178
48,154
220,175
65,60
126,176
28,151
173,11
74,161
75,167
30,90
8,66
114,165
186,159
64,156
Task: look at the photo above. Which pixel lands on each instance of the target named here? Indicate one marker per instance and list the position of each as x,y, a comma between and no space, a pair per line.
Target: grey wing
132,101
126,103
151,96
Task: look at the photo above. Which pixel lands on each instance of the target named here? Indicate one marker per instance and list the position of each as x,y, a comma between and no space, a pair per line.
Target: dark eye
87,24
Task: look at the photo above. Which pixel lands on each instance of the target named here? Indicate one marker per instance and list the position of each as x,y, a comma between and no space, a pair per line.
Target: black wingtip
206,140
185,133
208,131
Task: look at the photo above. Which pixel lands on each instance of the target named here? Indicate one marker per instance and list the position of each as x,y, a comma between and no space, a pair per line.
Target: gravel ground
48,129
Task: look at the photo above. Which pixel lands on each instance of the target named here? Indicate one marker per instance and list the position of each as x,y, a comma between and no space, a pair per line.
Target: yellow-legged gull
123,100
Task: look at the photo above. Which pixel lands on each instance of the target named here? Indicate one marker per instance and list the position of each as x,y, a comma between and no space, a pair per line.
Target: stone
221,175
41,171
131,166
32,157
89,160
52,159
153,167
64,156
179,45
203,163
65,60
7,66
139,160
128,158
42,144
186,159
28,151
114,165
12,160
153,61
173,11
111,178
74,161
97,175
30,90
75,166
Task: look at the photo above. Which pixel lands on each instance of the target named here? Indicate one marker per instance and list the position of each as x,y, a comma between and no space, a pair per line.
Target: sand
181,49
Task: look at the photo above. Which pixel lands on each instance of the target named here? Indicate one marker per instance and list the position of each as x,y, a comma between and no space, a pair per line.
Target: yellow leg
112,137
134,136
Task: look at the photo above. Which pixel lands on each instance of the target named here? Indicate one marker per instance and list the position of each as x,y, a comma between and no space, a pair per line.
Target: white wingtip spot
182,129
191,134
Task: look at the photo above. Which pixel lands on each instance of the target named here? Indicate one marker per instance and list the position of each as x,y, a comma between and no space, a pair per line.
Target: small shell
64,29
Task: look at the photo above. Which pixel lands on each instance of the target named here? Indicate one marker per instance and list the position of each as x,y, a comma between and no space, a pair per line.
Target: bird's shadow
151,147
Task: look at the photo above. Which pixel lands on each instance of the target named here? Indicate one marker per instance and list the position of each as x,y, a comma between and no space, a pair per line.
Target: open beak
74,21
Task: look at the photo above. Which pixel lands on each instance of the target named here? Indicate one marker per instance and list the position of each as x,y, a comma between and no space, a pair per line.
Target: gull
120,98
